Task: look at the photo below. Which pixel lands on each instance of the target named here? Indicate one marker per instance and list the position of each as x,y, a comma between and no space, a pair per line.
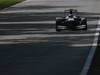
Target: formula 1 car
71,21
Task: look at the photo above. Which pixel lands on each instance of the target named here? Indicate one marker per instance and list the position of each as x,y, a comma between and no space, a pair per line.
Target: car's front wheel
58,23
57,28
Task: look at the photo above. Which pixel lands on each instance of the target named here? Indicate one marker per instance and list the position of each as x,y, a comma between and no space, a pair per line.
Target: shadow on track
34,49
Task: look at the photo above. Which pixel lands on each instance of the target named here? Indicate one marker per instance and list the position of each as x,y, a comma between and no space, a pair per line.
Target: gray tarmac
30,45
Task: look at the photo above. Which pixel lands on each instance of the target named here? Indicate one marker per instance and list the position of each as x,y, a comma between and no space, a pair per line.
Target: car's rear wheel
84,22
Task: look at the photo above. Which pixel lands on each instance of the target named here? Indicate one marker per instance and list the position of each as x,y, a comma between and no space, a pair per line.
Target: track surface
29,44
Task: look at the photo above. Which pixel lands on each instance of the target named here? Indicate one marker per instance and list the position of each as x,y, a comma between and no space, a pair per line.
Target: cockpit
70,16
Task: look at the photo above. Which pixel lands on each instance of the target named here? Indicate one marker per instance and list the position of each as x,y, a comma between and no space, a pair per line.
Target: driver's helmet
70,16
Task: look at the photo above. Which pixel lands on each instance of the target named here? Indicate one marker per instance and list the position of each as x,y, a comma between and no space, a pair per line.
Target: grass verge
7,3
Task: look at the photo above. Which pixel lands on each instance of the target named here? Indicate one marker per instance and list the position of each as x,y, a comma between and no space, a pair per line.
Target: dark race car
71,21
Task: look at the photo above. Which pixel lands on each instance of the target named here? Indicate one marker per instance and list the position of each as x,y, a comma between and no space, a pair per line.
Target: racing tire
58,22
84,22
57,29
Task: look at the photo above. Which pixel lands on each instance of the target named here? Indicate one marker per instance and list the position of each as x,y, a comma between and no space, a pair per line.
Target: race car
71,20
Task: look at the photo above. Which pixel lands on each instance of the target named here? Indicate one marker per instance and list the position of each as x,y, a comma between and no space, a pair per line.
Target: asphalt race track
29,44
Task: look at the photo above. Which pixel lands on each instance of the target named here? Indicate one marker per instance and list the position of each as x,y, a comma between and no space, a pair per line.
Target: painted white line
29,22
92,52
50,36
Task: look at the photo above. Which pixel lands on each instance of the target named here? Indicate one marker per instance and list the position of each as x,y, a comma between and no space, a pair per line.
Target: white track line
92,52
30,22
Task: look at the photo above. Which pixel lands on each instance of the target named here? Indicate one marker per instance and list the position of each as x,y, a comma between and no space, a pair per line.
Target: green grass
7,3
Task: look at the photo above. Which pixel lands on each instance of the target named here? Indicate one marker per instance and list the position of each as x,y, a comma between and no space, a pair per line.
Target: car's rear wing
70,11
